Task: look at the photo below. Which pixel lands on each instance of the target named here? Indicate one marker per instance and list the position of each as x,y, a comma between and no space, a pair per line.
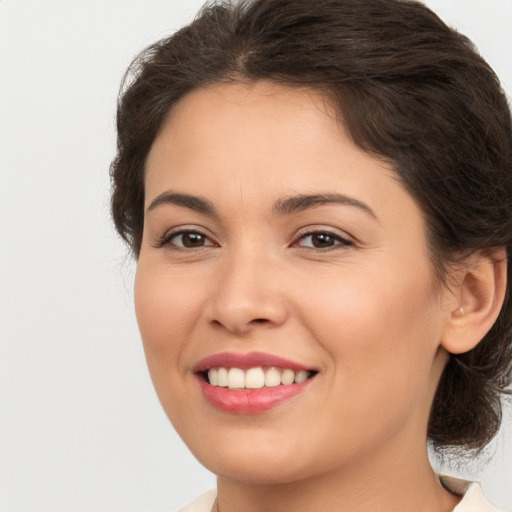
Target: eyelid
165,239
343,239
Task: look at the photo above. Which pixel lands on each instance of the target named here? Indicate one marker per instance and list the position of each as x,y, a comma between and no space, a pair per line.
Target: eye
186,239
322,240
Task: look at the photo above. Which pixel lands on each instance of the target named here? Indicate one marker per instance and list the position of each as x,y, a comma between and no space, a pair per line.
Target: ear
478,294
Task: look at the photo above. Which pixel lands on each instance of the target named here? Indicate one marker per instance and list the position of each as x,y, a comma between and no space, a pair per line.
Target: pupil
322,240
193,240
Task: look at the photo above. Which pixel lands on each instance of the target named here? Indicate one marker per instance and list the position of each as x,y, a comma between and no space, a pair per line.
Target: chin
262,458
250,454
256,470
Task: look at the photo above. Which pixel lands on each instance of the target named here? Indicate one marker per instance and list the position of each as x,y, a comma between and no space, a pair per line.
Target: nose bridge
247,290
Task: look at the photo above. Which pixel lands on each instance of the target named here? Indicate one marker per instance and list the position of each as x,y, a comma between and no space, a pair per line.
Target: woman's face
275,249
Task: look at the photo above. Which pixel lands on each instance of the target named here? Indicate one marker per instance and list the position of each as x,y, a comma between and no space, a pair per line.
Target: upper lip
246,361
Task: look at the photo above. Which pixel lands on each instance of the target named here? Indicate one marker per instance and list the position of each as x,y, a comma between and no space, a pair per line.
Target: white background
80,426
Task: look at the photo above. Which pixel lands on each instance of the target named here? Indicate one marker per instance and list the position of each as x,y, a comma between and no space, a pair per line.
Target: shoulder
473,499
202,504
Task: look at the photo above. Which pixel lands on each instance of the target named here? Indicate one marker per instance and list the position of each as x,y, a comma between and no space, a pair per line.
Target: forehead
249,145
255,131
213,117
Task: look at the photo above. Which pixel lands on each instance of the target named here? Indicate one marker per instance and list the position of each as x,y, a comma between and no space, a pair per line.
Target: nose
248,295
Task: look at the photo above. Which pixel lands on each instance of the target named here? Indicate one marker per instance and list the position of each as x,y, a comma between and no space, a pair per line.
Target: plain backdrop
80,426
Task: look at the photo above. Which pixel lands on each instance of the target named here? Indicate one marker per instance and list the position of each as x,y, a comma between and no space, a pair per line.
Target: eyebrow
285,206
198,204
299,203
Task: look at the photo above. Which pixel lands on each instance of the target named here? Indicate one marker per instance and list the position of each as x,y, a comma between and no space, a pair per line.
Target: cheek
377,325
166,307
166,311
381,341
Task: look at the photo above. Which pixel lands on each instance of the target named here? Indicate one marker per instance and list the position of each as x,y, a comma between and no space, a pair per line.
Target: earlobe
479,293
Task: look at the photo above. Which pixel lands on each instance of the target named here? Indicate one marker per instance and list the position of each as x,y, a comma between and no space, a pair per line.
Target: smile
250,383
255,378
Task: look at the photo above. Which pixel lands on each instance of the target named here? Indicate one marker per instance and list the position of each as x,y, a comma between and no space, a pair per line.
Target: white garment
202,504
473,500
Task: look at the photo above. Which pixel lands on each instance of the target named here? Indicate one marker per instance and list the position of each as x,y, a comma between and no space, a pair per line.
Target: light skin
267,229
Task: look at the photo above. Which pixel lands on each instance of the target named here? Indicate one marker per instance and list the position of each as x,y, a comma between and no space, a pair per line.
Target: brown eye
322,240
189,240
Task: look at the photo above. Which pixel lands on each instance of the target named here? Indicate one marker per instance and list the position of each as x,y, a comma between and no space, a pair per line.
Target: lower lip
250,401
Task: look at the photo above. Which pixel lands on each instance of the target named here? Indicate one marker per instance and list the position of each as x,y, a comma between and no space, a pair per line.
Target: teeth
255,378
272,377
236,378
213,376
222,377
301,376
287,377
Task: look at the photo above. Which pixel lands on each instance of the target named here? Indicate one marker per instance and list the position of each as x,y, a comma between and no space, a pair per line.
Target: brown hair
408,89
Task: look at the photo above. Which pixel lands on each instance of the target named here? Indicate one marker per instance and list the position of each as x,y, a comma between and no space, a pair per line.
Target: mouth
250,383
255,378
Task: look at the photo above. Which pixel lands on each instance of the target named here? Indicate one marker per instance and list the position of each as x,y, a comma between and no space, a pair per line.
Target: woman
319,198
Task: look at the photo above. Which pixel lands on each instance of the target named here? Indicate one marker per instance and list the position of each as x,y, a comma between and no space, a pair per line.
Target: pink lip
248,401
246,361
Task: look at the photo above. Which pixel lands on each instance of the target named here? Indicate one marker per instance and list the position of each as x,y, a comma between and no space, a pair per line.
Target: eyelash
338,241
166,240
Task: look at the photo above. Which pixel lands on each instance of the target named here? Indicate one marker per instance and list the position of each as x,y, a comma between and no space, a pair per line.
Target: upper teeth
254,378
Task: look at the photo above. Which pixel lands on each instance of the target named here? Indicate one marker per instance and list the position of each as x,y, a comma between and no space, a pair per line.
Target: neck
388,485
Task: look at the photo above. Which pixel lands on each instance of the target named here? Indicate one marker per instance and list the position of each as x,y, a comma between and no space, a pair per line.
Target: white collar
473,498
